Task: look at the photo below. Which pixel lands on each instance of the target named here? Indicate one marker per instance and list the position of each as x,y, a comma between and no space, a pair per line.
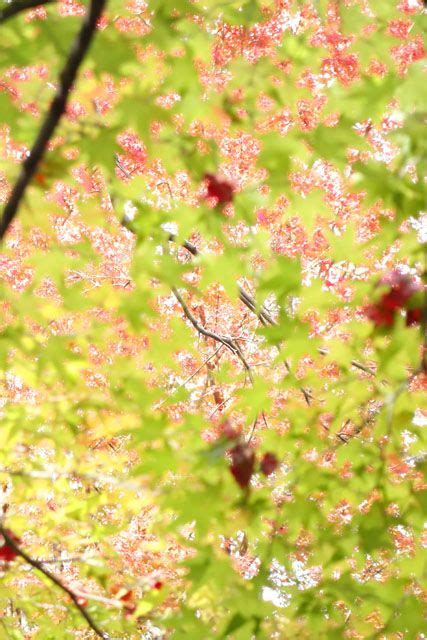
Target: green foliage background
45,456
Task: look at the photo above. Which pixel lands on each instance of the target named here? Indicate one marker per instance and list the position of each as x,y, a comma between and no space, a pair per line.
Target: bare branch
305,392
57,108
244,296
50,576
265,317
354,363
252,431
362,367
262,312
228,342
204,363
191,248
13,8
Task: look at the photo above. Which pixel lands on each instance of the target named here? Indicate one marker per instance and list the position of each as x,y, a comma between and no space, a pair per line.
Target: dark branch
50,576
266,319
305,392
13,8
362,367
250,302
191,248
56,110
231,344
354,363
244,296
263,315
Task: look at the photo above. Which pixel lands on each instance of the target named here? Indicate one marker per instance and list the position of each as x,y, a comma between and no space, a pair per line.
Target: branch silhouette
56,110
13,8
231,344
250,302
36,564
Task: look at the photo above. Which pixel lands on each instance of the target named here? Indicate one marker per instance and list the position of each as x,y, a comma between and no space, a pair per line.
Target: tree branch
50,576
354,363
13,8
250,302
187,380
263,315
305,392
57,108
265,318
244,296
231,344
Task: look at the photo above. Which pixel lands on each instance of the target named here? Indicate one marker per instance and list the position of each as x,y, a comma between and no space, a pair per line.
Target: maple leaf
379,316
319,194
414,316
219,190
242,464
269,463
402,287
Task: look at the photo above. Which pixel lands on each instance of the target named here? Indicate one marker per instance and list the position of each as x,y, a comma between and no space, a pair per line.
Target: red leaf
8,553
269,463
128,603
380,316
228,431
82,601
393,300
242,464
221,190
402,287
413,317
129,609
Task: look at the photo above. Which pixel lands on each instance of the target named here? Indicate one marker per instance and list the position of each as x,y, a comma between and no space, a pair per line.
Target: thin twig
389,402
230,343
250,303
244,296
50,576
13,8
220,406
204,363
56,110
354,363
252,431
305,392
90,561
191,248
262,313
362,367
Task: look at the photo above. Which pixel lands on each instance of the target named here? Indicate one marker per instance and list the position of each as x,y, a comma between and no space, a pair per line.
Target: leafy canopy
212,318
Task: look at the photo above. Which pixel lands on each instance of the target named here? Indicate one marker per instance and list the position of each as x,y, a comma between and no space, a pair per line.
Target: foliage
213,319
